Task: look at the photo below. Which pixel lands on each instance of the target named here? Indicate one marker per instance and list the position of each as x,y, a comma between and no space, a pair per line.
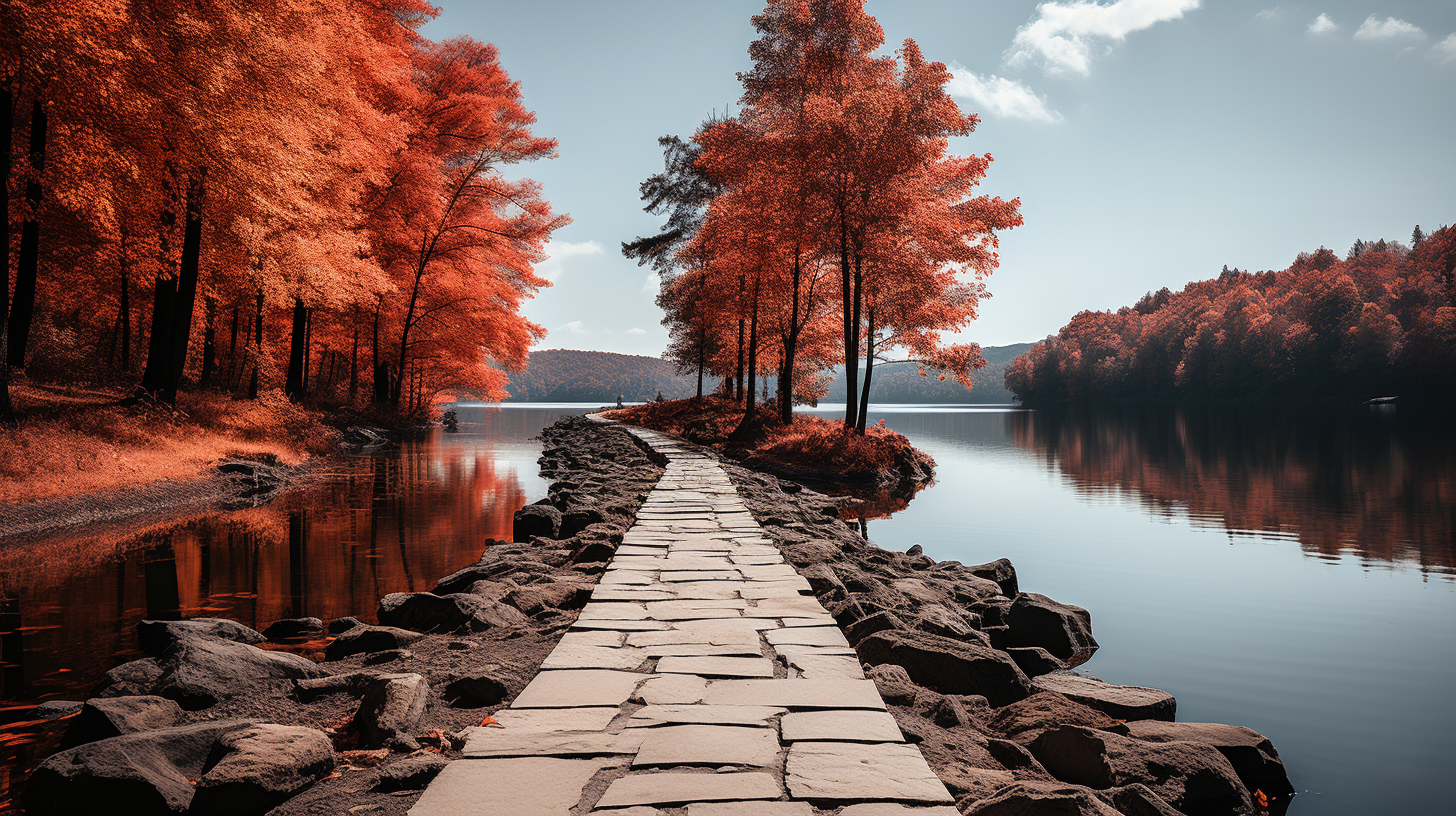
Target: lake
1289,570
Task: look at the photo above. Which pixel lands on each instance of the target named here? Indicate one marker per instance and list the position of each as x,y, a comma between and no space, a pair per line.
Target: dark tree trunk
864,399
164,299
257,348
853,419
381,372
7,123
124,313
181,333
752,356
209,341
307,347
851,328
791,343
293,384
233,351
702,354
22,308
354,364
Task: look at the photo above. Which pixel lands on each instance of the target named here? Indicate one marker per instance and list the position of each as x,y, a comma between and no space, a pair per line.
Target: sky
1151,142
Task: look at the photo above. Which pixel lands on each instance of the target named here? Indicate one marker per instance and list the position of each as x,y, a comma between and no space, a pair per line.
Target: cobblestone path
702,679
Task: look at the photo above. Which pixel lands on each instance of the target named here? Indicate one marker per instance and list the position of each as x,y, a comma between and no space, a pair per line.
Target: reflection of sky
1347,665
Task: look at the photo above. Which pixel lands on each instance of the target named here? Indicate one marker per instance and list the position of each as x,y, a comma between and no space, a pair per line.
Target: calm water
1290,571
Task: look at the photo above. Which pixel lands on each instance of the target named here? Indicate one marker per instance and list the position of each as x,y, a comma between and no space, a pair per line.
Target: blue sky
1151,141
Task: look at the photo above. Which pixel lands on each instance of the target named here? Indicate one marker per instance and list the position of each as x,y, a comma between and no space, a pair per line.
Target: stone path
703,679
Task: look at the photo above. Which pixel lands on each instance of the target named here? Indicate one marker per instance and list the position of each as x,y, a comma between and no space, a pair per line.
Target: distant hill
565,375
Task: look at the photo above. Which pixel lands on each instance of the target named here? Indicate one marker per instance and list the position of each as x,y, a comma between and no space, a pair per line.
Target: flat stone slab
707,745
807,636
751,809
537,720
845,726
612,610
795,693
891,809
583,656
678,788
653,715
820,667
621,625
578,689
1122,702
672,689
507,787
717,666
847,771
499,742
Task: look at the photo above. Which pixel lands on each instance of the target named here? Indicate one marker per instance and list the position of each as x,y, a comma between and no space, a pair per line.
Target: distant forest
1381,321
564,375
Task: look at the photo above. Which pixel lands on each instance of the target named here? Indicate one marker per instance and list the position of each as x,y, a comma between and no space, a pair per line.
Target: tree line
262,194
1381,321
825,223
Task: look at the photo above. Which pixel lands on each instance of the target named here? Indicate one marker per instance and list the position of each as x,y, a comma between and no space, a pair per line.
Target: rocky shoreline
315,717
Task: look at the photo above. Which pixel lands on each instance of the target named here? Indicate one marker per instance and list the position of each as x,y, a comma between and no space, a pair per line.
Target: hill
902,383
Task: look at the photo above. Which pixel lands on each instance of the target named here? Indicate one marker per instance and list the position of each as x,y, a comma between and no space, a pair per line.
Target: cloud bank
559,251
1323,25
1065,36
1000,97
1388,29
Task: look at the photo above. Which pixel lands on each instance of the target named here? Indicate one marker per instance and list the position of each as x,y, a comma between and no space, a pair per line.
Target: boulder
387,656
475,690
106,717
533,599
294,629
1137,800
535,520
577,519
1193,778
339,626
391,707
154,636
56,709
881,621
939,619
199,671
1001,571
1122,702
1035,661
135,677
1062,629
593,552
257,768
1024,720
463,580
313,688
948,666
411,773
365,639
141,774
893,683
428,612
1028,798
1250,753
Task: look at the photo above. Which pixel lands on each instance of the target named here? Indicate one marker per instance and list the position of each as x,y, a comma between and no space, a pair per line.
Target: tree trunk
791,342
164,299
354,363
307,347
752,356
7,122
381,373
702,352
257,348
409,316
181,332
22,308
125,310
851,328
209,341
864,399
233,351
293,384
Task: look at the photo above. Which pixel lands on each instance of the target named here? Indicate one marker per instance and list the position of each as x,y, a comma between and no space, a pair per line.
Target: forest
565,375
1379,322
824,223
254,197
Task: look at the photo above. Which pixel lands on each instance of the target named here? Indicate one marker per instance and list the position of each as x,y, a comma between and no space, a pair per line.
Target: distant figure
619,401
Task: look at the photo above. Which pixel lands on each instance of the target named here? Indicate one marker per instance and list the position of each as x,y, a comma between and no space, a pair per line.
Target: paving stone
750,809
613,611
626,578
623,626
795,693
717,632
759,590
622,593
821,620
707,745
701,590
827,667
791,650
802,606
507,787
677,788
893,809
672,689
653,715
631,811
538,720
840,725
717,666
701,575
500,742
581,656
807,636
578,689
844,771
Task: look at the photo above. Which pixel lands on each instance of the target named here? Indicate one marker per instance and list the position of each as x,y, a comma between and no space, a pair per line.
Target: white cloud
1268,14
1323,25
1388,29
1445,50
651,284
635,331
999,96
559,251
1064,35
574,327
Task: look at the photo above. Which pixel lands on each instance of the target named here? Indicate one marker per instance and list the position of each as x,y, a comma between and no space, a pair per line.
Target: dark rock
354,683
339,626
463,580
154,636
893,683
575,520
1026,719
1062,629
428,612
1122,702
536,520
149,772
593,552
257,768
915,549
475,690
56,709
1250,753
1035,661
366,639
294,629
948,666
947,712
199,671
992,610
1193,778
106,717
533,599
391,707
1026,798
939,619
1001,571
410,773
1137,800
1015,757
387,656
135,677
881,621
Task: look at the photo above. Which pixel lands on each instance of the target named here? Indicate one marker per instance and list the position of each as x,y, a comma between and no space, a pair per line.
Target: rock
463,580
1042,799
475,690
411,773
578,519
1137,800
881,621
535,520
339,626
534,599
365,639
1193,778
1251,753
1122,702
154,636
294,629
310,689
594,552
135,677
56,709
428,612
1015,757
938,619
257,768
106,717
199,671
947,712
915,549
1062,629
1001,571
149,772
391,707
893,683
387,656
1026,719
948,666
1035,661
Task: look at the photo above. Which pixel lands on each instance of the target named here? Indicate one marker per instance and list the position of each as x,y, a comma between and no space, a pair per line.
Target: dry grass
76,441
